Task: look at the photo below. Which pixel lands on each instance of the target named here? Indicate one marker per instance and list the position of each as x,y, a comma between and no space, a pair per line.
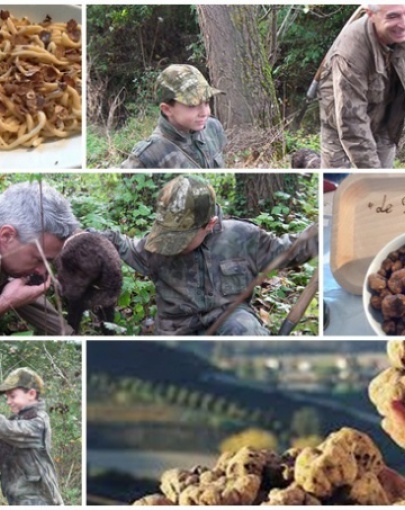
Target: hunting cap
185,84
22,378
184,205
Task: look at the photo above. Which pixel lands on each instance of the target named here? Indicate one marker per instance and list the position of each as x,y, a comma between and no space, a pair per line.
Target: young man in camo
186,135
200,262
28,475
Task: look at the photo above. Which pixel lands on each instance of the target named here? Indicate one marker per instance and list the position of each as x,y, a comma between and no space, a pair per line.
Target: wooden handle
276,263
301,305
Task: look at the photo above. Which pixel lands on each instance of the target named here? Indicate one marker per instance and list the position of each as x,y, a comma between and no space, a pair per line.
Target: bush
255,438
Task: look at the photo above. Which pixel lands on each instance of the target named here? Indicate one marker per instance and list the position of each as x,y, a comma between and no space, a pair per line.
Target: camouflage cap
184,205
185,84
22,378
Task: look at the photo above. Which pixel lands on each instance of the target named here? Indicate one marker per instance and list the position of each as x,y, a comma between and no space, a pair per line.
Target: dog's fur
90,278
305,158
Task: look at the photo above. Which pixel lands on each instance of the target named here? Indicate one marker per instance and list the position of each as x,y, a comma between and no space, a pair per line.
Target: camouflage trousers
44,318
334,156
242,322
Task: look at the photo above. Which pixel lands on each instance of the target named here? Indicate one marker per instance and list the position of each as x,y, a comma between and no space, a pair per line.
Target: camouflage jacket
192,290
170,148
361,92
28,474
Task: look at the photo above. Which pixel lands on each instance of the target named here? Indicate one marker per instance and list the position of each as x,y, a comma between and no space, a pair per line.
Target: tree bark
238,65
258,190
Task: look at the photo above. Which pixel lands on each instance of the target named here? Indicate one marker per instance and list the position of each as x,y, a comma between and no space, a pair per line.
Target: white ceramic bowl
58,154
374,316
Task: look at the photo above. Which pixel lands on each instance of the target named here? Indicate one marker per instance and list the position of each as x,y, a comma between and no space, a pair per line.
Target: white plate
374,316
54,155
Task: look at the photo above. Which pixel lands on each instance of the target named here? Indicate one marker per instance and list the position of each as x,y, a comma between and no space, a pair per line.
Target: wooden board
368,212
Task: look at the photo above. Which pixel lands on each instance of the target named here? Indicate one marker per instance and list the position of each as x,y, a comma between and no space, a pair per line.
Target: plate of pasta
40,87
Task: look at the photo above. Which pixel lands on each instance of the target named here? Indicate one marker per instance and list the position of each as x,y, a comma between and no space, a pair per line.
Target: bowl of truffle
384,289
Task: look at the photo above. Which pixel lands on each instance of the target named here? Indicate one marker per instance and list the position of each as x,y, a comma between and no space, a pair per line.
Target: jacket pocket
234,276
376,90
173,301
31,471
219,160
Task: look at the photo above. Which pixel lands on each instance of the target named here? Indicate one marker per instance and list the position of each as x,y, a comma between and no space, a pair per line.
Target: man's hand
17,293
394,423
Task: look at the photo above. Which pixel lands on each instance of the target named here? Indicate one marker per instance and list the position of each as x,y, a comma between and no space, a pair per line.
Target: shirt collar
169,131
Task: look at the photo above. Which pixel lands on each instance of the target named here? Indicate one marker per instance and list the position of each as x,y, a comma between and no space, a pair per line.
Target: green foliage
109,150
128,45
254,438
197,50
299,140
312,441
399,164
279,294
293,211
98,152
59,363
306,422
304,45
125,203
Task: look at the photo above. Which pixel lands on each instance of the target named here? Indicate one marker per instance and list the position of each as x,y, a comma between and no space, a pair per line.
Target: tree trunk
258,190
238,65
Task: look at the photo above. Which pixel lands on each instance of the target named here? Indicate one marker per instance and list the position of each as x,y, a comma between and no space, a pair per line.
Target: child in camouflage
186,135
200,262
28,475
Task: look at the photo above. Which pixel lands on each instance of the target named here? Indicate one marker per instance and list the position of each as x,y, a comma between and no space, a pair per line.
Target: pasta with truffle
40,81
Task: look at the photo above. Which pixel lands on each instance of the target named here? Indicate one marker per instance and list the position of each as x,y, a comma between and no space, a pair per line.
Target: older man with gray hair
361,91
35,220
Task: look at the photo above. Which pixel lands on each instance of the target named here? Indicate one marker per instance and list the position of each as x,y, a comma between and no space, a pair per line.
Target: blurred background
153,405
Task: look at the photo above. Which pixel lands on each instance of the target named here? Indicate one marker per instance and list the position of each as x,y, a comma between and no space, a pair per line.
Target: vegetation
293,40
180,406
306,422
208,409
241,418
59,363
264,421
125,202
311,441
255,438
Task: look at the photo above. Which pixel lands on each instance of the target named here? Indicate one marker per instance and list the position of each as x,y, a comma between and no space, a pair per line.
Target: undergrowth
125,203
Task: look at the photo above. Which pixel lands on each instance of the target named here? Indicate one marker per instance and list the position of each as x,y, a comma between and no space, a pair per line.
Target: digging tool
313,88
276,263
300,306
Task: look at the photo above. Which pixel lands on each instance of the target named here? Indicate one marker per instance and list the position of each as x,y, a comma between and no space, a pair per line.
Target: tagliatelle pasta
40,81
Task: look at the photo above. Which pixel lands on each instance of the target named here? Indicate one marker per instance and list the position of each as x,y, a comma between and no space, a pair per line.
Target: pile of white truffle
345,469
